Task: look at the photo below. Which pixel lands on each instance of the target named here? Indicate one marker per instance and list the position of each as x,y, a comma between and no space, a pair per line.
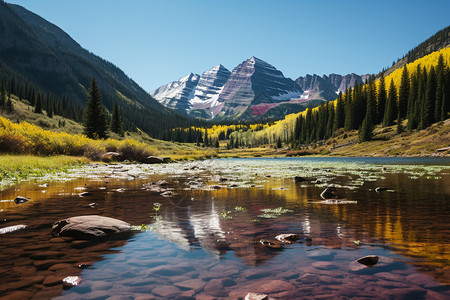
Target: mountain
39,52
194,95
249,91
253,90
327,87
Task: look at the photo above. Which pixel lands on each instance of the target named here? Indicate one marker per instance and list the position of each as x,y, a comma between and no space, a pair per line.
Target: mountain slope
247,92
50,59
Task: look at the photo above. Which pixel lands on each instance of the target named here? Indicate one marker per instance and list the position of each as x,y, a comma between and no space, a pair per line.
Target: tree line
422,98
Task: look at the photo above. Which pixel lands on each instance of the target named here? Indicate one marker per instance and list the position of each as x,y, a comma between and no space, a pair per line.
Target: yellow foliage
285,127
25,138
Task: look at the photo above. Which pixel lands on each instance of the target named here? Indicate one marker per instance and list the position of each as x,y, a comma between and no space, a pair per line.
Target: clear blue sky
158,41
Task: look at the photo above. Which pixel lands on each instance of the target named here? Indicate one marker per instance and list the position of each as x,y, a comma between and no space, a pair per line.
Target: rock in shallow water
12,228
256,296
369,260
89,227
287,237
21,199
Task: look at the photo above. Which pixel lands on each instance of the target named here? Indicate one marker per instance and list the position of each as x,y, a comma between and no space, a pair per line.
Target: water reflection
211,232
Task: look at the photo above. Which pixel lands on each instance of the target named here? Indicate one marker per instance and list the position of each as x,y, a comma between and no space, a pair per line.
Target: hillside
37,54
320,123
438,41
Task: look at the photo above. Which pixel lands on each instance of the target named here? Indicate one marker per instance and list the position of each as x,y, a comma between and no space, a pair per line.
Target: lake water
205,240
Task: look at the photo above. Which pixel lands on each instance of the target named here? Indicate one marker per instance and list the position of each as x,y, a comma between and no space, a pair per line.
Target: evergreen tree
38,104
9,105
366,130
2,95
339,118
381,100
116,120
403,93
94,116
399,125
391,107
427,113
50,109
279,143
349,111
205,139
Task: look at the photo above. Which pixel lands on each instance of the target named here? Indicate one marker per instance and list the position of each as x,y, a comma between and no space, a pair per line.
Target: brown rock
24,282
89,227
369,260
270,244
45,264
193,284
276,286
59,267
215,287
324,265
152,160
52,280
46,255
166,291
15,295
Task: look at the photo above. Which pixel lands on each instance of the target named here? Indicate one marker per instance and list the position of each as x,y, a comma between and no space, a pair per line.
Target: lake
206,230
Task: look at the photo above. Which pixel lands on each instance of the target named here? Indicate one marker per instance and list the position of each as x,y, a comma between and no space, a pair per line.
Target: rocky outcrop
89,227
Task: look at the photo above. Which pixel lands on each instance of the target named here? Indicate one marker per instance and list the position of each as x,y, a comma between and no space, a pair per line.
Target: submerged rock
287,237
270,244
369,260
300,179
256,296
85,194
383,189
89,227
12,228
21,199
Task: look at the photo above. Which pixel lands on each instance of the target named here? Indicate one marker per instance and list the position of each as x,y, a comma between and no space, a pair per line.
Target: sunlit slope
287,124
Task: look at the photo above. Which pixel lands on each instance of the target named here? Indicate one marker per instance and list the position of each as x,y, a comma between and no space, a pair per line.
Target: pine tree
2,96
38,104
381,101
366,130
427,113
391,107
339,118
403,93
50,109
116,120
399,125
9,104
94,115
205,139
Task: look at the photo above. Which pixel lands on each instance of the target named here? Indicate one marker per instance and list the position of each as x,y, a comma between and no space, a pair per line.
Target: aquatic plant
226,215
156,207
240,208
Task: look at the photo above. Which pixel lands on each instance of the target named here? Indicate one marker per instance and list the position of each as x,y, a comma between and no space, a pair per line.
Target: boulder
153,160
89,227
110,156
21,199
369,260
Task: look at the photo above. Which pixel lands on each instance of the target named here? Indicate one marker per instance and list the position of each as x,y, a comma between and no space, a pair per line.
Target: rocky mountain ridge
253,90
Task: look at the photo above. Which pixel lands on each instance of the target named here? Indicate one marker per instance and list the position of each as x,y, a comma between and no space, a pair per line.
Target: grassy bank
14,168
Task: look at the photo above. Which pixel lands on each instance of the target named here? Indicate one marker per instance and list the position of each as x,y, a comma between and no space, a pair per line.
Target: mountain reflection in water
205,240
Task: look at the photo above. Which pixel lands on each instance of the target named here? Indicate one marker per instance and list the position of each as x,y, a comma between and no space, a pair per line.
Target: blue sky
158,41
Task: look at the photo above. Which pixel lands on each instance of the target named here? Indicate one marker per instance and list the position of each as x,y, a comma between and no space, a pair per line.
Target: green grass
20,167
